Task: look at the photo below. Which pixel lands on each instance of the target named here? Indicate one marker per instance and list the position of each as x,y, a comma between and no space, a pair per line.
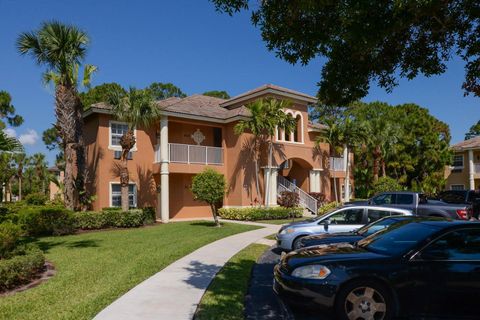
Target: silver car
342,219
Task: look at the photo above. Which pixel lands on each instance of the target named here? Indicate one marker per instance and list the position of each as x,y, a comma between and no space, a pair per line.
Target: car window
348,216
386,198
404,198
457,245
375,214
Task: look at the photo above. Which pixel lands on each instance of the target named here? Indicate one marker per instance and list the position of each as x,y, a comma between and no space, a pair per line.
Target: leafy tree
7,172
385,184
160,91
7,111
39,164
369,40
474,131
137,109
266,116
99,93
217,94
20,162
53,141
61,49
9,144
210,186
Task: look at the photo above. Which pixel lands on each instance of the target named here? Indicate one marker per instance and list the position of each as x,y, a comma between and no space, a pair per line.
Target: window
457,245
404,198
386,198
375,214
117,129
116,195
457,187
458,161
348,216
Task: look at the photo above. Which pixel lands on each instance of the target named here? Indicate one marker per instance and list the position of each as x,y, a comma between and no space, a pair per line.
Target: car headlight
287,231
315,271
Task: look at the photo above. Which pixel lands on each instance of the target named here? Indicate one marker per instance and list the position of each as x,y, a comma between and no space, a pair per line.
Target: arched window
297,134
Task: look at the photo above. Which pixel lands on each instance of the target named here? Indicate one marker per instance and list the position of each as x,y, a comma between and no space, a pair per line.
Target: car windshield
398,238
376,226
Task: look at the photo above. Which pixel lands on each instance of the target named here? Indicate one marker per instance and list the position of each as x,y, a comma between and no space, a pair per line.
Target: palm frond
9,144
88,71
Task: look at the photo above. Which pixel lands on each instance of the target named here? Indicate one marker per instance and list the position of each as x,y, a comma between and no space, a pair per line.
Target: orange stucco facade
218,145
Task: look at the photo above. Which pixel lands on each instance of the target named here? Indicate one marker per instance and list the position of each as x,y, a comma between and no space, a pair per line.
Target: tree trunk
80,156
347,177
335,184
376,163
384,171
19,188
214,213
127,141
69,181
257,182
269,168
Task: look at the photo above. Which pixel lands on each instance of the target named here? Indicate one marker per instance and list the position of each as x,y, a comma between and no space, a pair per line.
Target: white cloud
29,138
10,132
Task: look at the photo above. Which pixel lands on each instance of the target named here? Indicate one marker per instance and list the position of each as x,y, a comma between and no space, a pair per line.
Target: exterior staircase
306,200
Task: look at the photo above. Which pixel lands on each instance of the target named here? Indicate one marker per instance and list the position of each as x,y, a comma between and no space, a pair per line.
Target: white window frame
463,161
135,193
457,185
119,148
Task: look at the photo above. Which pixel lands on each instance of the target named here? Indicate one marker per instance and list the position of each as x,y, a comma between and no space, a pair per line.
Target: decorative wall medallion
198,137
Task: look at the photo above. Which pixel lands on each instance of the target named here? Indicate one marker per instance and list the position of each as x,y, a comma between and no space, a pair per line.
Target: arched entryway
297,171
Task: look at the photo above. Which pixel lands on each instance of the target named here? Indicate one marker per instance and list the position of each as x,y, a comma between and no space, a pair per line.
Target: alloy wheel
365,303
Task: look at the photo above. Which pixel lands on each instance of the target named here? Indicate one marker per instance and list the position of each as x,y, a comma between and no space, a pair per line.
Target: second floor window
458,161
117,130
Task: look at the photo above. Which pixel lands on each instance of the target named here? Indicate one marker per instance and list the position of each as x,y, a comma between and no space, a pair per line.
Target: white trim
455,184
119,148
135,192
261,92
463,162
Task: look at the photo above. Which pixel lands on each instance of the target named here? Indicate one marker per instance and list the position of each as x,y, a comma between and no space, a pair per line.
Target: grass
225,297
282,221
93,269
271,237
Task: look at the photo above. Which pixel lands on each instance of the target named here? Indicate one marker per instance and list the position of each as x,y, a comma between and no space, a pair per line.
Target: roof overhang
248,96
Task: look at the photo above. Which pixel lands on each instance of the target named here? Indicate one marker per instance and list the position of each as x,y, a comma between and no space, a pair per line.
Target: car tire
296,243
366,300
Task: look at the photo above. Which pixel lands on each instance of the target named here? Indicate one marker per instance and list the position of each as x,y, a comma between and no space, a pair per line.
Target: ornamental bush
259,213
320,197
210,186
9,236
289,199
114,218
21,268
385,184
37,198
41,221
327,208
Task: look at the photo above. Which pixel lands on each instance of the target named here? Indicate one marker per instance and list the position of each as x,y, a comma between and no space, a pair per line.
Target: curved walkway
174,292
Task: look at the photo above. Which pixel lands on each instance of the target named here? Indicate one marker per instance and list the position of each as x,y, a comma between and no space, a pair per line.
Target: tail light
462,214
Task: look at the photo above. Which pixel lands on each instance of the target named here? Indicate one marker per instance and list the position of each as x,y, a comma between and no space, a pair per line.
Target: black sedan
353,236
411,268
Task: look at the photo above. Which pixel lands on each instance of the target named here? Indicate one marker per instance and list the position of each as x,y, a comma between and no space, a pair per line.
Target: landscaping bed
95,268
260,213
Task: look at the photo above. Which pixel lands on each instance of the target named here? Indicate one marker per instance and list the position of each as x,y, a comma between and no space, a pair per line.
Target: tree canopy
217,94
160,91
473,131
8,112
365,41
99,93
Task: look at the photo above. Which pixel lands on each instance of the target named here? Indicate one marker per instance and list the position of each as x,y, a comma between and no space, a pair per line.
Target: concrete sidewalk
174,292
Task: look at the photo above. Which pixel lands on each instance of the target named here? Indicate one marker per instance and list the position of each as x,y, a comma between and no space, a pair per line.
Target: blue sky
189,44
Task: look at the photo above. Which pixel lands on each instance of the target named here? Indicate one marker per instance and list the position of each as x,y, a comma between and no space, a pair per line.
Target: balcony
337,164
192,154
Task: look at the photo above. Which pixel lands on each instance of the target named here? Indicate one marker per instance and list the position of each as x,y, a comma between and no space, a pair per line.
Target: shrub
46,221
327,208
37,198
209,186
258,213
92,220
21,268
149,215
289,199
112,209
386,184
9,235
320,197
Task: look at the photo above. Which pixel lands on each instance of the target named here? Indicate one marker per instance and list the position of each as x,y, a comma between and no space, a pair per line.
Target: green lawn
283,221
271,237
225,297
93,269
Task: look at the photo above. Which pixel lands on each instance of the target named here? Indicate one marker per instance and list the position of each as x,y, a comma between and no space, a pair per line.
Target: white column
273,186
266,182
471,170
315,185
164,160
345,155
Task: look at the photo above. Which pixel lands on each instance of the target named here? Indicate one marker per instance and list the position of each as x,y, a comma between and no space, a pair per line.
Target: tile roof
473,143
317,126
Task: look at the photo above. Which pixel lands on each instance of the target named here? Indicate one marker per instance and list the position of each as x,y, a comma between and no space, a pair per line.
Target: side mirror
326,223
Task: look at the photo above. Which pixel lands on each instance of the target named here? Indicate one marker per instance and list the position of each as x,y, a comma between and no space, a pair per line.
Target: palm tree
20,161
266,115
62,48
9,144
40,166
138,109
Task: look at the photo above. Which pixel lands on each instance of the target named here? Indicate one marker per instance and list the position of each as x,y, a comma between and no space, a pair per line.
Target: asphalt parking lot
261,301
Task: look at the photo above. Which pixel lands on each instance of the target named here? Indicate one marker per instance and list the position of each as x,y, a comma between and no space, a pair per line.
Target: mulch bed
48,272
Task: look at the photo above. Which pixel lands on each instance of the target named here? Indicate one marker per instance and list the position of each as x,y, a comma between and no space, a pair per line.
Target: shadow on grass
205,224
46,245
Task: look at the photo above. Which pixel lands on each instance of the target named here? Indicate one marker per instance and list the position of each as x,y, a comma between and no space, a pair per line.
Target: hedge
21,269
327,207
259,213
44,220
114,218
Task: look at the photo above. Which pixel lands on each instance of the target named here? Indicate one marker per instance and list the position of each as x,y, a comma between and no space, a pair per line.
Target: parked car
419,204
467,197
413,267
343,219
353,236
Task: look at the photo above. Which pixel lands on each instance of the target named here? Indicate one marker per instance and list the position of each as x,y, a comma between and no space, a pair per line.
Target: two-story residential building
196,132
465,170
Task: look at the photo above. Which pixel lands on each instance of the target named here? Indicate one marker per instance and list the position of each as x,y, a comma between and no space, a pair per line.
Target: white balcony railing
187,153
337,164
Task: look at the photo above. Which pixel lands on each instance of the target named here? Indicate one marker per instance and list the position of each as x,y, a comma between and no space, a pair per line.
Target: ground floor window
457,187
116,195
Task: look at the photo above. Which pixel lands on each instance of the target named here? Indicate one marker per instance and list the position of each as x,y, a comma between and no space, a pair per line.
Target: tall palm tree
62,48
9,144
20,162
40,166
266,115
138,109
